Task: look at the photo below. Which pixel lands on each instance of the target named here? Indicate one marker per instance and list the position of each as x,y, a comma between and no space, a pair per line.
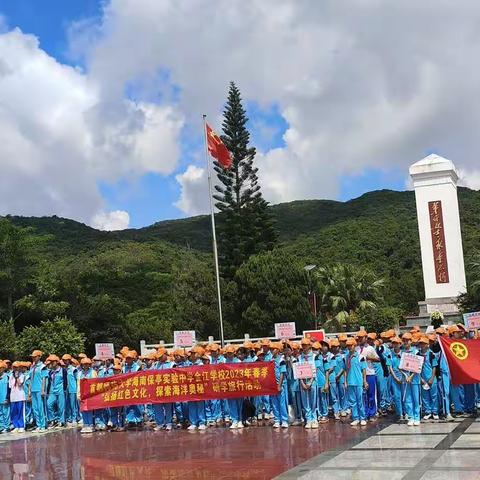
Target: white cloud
60,135
194,195
116,220
361,84
469,178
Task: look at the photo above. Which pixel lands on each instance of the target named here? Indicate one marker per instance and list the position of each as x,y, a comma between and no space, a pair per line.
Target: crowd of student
357,377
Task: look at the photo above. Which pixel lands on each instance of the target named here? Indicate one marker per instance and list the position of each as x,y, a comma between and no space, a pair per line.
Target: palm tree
345,290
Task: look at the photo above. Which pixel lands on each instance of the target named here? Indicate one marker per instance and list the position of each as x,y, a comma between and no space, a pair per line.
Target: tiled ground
255,453
433,451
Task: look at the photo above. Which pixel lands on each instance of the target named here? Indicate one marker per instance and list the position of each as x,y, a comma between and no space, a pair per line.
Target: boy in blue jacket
356,367
4,399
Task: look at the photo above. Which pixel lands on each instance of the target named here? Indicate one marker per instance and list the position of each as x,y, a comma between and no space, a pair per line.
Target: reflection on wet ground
251,453
432,451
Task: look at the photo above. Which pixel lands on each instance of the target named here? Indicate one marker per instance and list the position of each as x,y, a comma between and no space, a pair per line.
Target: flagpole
214,235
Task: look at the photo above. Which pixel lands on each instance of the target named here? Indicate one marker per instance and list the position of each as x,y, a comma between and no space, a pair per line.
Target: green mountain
378,230
305,224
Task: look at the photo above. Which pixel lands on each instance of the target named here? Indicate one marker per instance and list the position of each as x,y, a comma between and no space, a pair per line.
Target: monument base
447,305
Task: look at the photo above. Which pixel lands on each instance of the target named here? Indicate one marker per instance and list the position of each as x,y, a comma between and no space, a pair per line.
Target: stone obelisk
435,182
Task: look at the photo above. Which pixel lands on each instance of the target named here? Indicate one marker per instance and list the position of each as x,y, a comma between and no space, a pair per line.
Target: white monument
435,183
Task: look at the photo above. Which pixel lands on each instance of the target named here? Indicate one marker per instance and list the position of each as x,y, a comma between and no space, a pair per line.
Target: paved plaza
433,451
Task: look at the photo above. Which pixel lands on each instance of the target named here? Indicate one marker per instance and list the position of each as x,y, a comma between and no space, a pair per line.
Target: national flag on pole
217,149
463,357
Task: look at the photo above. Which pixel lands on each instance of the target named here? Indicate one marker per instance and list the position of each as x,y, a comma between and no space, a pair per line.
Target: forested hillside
133,284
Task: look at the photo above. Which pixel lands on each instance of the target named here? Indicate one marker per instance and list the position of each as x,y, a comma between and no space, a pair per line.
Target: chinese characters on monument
438,242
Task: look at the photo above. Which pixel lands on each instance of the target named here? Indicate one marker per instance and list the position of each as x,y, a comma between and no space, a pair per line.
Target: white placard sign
184,338
472,320
411,362
104,351
285,330
303,370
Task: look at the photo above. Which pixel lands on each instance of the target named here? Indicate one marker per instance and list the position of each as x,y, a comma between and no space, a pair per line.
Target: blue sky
151,197
49,20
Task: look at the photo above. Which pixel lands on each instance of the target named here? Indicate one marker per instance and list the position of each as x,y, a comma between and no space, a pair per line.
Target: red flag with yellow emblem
217,149
463,357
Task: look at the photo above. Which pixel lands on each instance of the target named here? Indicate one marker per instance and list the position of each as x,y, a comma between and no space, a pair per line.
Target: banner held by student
184,384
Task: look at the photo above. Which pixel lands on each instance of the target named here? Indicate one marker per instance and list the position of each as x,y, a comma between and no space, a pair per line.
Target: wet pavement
252,453
432,451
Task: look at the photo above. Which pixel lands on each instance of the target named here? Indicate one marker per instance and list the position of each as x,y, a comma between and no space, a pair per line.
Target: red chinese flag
463,357
217,149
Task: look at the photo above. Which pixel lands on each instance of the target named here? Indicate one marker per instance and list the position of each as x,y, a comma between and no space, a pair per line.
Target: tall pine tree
247,226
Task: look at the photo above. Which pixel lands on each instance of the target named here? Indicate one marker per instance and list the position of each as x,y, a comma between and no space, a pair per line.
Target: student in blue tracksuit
208,403
100,413
163,411
37,390
387,353
133,413
116,413
56,385
216,409
469,401
26,387
308,386
443,380
381,372
355,368
261,402
280,401
428,380
343,350
323,369
196,409
371,357
107,371
457,392
234,404
17,398
71,403
338,394
247,354
412,386
4,399
181,408
294,385
267,357
149,362
86,371
398,378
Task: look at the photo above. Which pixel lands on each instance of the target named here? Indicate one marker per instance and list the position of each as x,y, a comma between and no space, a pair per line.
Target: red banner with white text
182,384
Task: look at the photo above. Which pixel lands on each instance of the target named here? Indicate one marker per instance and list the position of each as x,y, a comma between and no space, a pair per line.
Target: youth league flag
463,357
